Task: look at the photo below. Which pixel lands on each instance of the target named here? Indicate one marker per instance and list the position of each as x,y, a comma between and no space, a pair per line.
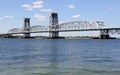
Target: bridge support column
10,36
104,34
54,34
53,21
27,35
26,27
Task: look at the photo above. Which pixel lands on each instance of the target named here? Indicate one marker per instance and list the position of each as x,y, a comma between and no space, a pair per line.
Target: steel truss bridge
54,28
67,26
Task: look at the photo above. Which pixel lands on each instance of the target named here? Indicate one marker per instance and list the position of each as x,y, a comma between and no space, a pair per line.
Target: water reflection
54,57
59,57
41,61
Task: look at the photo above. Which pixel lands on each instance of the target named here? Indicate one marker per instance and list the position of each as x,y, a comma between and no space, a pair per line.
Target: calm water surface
59,57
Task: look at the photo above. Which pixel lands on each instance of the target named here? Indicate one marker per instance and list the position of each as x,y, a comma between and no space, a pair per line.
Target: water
59,57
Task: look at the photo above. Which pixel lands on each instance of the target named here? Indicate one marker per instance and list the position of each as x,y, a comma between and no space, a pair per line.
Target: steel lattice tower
53,21
26,27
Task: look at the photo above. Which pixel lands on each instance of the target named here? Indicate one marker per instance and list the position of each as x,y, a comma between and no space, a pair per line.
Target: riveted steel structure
79,26
53,21
105,32
62,27
26,27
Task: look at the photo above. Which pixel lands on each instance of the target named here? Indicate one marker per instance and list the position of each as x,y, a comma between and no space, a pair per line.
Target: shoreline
62,37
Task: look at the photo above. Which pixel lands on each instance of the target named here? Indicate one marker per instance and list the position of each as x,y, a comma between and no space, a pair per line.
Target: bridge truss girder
114,31
75,25
29,30
108,31
39,28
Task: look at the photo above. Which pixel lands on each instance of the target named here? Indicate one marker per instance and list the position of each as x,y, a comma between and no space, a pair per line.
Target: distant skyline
13,12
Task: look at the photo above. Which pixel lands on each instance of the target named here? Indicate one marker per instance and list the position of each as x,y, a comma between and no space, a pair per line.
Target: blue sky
12,12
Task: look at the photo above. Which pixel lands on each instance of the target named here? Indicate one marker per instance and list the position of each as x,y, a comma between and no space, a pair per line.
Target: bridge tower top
26,22
53,18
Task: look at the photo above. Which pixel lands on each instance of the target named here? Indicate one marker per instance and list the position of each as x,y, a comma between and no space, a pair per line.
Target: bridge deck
45,31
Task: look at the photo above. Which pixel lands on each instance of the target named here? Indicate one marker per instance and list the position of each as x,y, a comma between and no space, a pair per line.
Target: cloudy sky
12,12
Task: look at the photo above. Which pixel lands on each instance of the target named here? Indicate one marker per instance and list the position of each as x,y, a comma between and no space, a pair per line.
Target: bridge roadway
111,30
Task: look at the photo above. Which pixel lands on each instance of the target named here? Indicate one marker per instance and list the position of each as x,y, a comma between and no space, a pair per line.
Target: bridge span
54,28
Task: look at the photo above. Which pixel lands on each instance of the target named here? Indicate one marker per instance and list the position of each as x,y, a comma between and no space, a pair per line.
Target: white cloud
27,6
71,6
5,17
8,17
40,17
47,10
38,3
35,5
75,16
1,19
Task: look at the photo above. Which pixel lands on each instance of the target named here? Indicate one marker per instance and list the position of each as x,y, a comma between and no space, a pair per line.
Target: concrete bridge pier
10,36
54,34
104,34
26,35
26,28
6,36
